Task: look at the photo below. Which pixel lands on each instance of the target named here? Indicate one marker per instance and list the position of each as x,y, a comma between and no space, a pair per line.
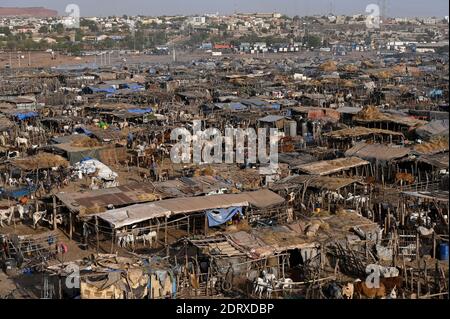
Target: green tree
5,31
59,28
313,41
43,29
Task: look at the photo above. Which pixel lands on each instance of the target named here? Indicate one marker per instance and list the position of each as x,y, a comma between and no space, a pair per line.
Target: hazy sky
291,7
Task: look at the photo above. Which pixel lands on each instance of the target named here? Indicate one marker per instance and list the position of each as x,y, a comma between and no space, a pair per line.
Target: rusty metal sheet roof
331,166
379,152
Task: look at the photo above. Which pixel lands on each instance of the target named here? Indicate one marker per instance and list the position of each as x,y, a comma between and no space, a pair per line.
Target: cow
20,141
362,289
6,215
393,283
37,216
400,178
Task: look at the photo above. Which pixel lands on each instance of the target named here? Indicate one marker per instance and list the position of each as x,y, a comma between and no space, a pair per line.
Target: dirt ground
40,59
44,59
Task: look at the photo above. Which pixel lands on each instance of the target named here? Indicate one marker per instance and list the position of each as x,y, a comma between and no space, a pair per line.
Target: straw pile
207,171
329,66
347,83
384,74
370,113
436,145
349,68
85,142
41,161
367,64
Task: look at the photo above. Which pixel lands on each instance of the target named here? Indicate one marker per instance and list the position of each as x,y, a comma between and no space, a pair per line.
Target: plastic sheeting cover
220,216
92,165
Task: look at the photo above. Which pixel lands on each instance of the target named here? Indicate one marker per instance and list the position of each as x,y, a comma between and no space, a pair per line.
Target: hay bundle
95,209
383,74
350,68
347,83
434,146
367,64
369,113
207,171
41,161
399,69
329,66
85,142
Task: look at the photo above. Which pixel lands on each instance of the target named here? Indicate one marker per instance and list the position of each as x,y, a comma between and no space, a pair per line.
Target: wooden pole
96,232
70,225
165,237
417,247
54,212
113,239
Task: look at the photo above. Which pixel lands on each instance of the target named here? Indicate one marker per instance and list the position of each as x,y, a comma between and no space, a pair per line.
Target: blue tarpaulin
134,86
102,90
17,193
140,111
218,217
84,130
27,115
236,106
436,93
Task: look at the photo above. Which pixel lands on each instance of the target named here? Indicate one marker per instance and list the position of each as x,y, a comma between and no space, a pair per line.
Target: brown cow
362,290
404,177
393,282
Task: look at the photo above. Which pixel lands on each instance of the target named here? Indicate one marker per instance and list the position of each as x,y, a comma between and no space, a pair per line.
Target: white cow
37,216
335,196
285,283
260,285
358,199
6,215
148,237
21,141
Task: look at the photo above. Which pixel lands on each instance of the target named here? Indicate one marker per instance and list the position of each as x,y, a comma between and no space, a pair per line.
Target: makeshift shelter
335,166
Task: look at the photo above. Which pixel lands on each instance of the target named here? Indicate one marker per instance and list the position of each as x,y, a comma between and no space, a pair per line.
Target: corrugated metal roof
142,212
379,152
331,166
141,192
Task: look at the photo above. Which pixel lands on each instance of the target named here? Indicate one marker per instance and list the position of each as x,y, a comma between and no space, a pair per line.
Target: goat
6,215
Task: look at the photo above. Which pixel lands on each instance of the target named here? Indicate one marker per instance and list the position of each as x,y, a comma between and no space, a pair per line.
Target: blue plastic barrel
443,251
